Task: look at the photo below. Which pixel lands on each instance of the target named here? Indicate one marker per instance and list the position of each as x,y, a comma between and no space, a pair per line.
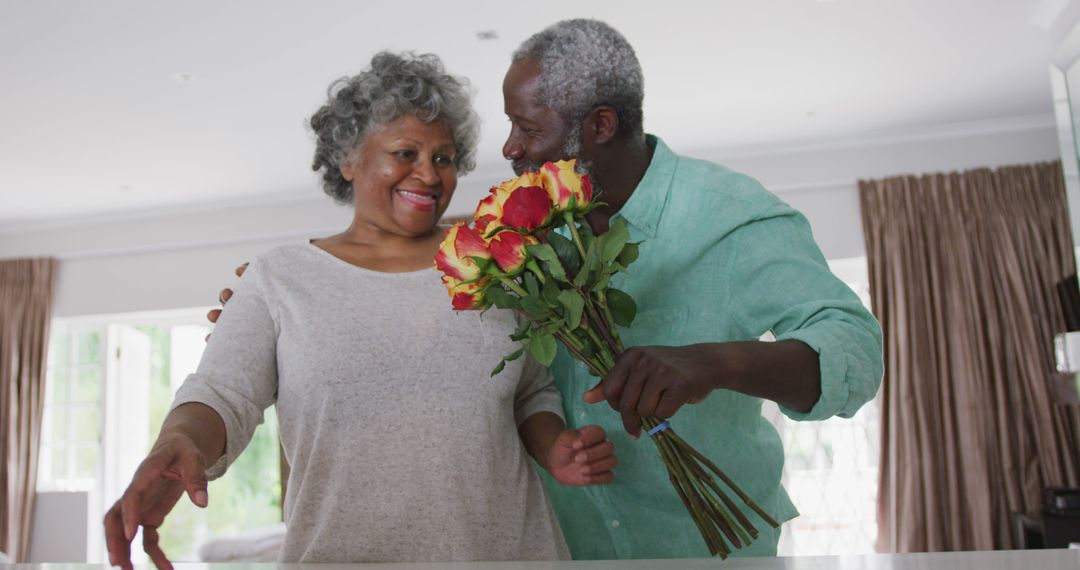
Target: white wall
822,181
181,258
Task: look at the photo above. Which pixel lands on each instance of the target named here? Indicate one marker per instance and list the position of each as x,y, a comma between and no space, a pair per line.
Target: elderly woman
402,447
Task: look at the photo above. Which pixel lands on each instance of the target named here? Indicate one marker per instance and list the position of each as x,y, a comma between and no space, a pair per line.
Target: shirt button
614,524
583,415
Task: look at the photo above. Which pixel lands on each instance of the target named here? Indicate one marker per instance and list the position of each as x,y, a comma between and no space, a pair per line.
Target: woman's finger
129,514
589,436
119,549
153,549
601,465
591,454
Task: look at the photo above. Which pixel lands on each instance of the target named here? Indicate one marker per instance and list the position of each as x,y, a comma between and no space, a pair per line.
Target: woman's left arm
573,457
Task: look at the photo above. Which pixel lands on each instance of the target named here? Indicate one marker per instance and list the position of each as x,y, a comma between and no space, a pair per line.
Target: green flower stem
597,322
719,514
727,480
711,535
511,285
572,224
699,521
744,523
602,301
693,515
594,366
703,479
601,347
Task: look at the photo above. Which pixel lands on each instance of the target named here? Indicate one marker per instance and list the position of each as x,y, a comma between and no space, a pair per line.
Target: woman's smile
423,200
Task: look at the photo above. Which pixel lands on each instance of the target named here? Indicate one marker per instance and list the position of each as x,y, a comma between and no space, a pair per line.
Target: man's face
537,133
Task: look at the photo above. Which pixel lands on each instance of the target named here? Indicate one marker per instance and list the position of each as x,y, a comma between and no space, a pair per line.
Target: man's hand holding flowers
658,380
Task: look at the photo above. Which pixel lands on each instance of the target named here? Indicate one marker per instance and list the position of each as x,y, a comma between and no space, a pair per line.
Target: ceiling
130,105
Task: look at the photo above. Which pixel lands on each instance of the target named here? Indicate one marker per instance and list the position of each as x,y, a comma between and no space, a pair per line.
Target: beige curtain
26,299
962,276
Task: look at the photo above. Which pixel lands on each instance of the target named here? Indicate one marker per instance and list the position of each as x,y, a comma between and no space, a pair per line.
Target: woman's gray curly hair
395,85
584,64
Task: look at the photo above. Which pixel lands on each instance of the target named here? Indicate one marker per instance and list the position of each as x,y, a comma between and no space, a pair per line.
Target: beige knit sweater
402,447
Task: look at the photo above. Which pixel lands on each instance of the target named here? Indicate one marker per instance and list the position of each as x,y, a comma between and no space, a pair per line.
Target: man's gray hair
394,86
584,64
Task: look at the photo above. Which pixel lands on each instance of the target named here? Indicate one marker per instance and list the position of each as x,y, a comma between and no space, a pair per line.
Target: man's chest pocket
663,326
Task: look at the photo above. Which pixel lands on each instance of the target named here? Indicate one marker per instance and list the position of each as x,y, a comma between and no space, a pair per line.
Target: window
71,425
110,382
831,467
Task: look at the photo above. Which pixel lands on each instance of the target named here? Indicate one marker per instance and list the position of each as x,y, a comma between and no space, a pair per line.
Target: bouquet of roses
531,250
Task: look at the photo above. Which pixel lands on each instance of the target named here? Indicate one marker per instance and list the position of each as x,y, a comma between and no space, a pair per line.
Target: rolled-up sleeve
783,285
237,375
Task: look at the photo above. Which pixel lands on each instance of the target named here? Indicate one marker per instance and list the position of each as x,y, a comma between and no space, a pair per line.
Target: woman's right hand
174,466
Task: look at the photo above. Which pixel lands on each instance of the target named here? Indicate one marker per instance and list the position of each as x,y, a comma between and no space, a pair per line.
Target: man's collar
647,202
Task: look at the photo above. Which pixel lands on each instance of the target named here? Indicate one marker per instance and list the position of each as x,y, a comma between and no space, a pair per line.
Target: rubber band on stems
659,428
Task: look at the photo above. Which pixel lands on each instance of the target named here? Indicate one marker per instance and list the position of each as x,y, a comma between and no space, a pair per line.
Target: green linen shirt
721,259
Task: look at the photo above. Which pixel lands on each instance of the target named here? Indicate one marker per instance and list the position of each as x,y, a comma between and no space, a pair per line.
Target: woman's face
403,176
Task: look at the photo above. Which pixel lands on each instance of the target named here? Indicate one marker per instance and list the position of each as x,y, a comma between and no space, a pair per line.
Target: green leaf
574,305
629,254
501,299
602,282
622,306
614,240
515,355
586,234
542,349
554,326
550,292
591,265
546,253
535,306
566,250
531,284
499,368
522,332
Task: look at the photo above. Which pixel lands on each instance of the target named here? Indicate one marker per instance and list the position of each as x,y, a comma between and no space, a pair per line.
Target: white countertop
1001,560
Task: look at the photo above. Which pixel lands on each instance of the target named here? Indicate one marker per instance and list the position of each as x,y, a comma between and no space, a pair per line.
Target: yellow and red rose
463,253
520,203
568,190
467,295
508,250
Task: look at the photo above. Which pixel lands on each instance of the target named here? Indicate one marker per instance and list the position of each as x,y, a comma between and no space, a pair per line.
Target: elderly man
723,261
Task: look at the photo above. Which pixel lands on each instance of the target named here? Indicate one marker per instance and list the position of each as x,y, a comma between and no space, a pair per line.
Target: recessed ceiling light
183,78
485,35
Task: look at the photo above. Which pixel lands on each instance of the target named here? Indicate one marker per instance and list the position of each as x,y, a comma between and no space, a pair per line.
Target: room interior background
183,157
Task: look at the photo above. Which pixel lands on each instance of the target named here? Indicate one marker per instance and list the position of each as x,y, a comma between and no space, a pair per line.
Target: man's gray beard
571,147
